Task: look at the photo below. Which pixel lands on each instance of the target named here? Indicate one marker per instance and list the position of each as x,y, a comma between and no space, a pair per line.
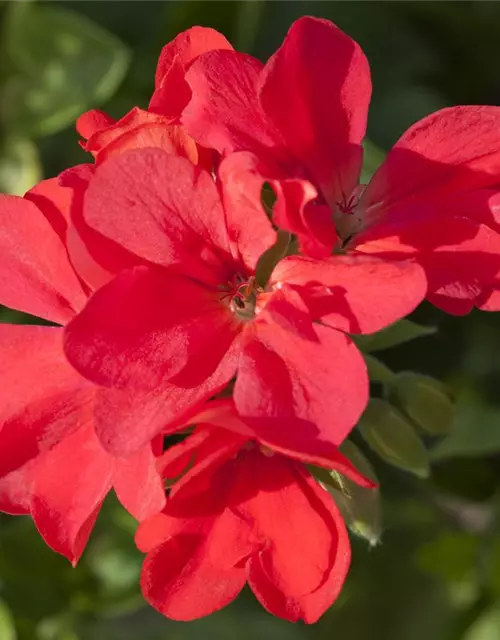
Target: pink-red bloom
173,330
242,514
298,122
52,465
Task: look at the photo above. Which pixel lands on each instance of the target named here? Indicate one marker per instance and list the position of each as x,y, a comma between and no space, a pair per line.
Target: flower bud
392,437
425,400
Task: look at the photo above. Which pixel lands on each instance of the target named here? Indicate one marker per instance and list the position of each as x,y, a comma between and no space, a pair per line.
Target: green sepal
393,335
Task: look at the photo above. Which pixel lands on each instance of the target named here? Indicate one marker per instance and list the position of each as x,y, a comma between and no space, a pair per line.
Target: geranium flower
51,463
242,513
298,122
173,330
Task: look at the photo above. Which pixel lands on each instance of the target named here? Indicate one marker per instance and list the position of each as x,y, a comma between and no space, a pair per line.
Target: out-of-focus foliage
436,573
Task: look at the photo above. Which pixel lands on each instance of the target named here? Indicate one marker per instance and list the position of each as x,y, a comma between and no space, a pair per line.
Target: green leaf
373,157
378,371
66,65
452,557
425,400
475,431
486,626
397,333
7,628
20,167
393,438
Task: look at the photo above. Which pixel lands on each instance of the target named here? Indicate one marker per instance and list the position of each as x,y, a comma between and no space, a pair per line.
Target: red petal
92,121
299,386
54,202
172,92
460,257
250,230
138,484
183,581
451,151
306,552
43,397
208,454
243,176
224,112
126,420
222,413
16,489
147,326
71,482
141,129
95,257
194,574
186,47
490,300
357,294
35,273
162,209
316,90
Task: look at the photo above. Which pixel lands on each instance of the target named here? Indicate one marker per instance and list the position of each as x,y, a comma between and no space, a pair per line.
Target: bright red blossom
242,514
298,121
160,262
51,464
167,334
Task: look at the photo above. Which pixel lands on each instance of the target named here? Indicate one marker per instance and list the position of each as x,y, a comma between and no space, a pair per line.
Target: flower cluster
203,276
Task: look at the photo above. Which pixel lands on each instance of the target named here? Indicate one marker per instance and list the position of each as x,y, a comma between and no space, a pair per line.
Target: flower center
348,220
240,295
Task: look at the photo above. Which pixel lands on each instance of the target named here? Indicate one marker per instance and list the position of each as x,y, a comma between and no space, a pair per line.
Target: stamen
240,295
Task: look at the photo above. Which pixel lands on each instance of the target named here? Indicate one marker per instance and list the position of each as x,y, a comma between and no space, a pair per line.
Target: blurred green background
436,573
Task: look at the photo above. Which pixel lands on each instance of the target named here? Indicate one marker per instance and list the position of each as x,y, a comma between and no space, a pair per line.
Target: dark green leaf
270,258
476,431
378,371
397,333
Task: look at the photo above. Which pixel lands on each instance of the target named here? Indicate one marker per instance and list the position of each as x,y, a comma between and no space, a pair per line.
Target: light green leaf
393,438
7,628
66,65
397,333
20,167
486,627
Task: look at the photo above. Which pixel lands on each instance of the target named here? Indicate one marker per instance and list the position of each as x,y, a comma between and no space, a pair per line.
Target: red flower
51,463
298,123
241,514
167,334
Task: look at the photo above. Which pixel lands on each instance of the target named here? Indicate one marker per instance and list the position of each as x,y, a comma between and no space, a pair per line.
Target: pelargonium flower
241,513
52,465
298,122
173,330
